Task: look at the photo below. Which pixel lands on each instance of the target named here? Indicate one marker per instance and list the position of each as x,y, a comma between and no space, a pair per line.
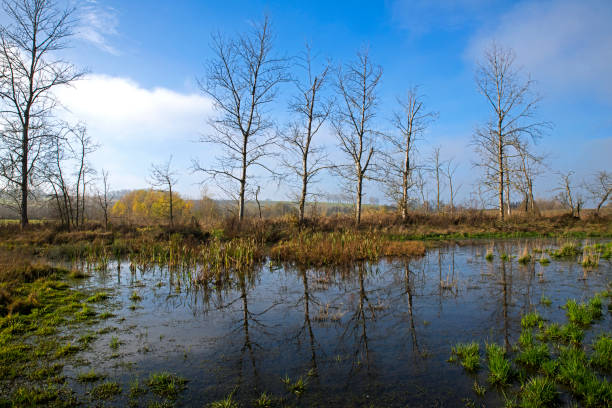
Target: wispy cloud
566,45
97,25
136,126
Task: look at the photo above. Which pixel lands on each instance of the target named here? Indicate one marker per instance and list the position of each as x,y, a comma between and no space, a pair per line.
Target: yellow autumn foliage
149,206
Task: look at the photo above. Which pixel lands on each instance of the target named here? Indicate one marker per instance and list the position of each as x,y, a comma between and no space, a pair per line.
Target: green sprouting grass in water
543,260
114,343
489,256
263,401
575,373
98,297
500,370
602,352
532,319
468,354
538,392
135,296
90,376
227,402
545,300
106,390
583,313
166,385
567,251
480,390
534,355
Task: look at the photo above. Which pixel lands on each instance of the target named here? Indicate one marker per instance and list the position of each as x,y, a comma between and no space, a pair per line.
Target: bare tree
600,188
567,192
242,80
162,175
306,160
354,122
449,171
81,145
513,108
529,166
29,71
410,122
103,197
68,155
437,170
420,183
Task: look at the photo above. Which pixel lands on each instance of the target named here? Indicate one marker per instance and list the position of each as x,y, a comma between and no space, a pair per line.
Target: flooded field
369,335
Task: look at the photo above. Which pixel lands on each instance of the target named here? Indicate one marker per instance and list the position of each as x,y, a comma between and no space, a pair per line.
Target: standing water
376,334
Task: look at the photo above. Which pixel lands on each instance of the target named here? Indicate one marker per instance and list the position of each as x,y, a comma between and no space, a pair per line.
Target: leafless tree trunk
437,169
449,172
103,197
311,111
353,122
420,184
528,168
566,195
513,110
410,122
242,80
600,189
81,147
29,72
162,175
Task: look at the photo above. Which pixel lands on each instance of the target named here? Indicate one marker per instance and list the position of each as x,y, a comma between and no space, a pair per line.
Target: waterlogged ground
369,335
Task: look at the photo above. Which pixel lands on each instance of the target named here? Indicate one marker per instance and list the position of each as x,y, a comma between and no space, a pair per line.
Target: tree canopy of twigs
242,80
512,120
354,122
29,70
304,158
409,122
163,176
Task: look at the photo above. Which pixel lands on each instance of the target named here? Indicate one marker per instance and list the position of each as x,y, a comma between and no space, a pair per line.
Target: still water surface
369,335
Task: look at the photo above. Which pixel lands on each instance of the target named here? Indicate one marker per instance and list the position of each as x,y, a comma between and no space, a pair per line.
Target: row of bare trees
243,78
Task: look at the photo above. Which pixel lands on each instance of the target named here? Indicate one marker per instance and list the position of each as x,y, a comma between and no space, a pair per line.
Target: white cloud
564,44
96,24
136,126
120,109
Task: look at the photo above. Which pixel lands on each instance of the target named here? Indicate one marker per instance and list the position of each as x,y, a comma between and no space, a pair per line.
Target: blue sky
141,100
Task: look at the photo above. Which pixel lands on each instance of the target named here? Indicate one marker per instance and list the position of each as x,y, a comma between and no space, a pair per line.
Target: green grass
480,390
67,350
543,260
545,300
114,343
531,320
500,370
135,297
90,376
525,259
263,401
468,354
538,392
106,390
489,256
166,385
533,355
98,297
227,402
568,250
583,313
602,352
575,373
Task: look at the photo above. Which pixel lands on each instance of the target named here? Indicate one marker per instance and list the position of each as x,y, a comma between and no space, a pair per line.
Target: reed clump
341,248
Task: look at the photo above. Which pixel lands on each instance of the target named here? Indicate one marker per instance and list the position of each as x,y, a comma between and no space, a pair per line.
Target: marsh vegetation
362,321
